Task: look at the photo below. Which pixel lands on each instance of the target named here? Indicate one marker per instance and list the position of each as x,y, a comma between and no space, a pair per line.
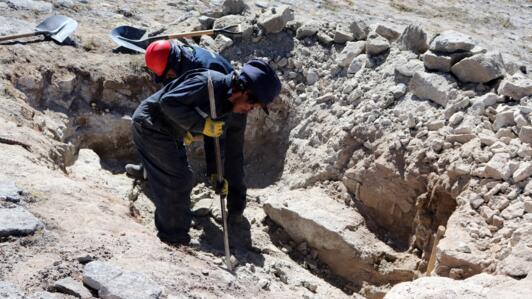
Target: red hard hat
157,56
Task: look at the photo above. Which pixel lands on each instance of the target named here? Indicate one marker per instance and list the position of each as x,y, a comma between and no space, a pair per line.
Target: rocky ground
397,119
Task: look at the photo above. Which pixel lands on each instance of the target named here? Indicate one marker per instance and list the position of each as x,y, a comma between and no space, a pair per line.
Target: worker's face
241,102
170,75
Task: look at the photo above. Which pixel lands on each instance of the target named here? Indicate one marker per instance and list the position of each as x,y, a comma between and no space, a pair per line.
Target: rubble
274,20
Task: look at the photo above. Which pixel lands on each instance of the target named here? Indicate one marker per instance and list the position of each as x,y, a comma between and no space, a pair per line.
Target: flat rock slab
48,295
451,41
112,282
17,221
10,192
478,286
339,236
72,287
9,290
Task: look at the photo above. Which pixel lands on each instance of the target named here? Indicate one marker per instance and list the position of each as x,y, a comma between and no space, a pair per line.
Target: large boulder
337,234
274,20
452,41
516,87
434,87
17,221
414,39
479,286
480,68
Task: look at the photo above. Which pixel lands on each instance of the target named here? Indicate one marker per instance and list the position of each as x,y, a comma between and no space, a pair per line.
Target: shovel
57,28
220,176
131,37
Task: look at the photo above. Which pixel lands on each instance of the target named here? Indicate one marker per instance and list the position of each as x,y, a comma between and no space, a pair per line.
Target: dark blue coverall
162,119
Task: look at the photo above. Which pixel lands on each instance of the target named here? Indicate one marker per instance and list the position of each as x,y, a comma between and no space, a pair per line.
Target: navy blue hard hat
261,80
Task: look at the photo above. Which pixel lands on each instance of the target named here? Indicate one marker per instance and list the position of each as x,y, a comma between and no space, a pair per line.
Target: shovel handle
15,36
191,34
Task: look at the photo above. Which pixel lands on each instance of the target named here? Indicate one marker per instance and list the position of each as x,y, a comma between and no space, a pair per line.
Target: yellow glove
220,188
188,139
213,128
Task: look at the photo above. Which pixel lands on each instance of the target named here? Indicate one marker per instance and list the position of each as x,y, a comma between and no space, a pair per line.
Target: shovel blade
130,37
65,32
57,27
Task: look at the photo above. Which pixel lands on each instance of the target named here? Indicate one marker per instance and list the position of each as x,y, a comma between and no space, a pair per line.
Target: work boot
235,217
136,171
174,240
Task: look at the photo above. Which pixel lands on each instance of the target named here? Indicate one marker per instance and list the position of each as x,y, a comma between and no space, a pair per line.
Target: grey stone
72,287
460,138
203,207
377,45
435,125
479,68
456,119
478,104
414,39
434,87
516,209
405,71
498,167
525,134
9,290
17,221
312,77
387,32
451,41
324,38
516,87
233,7
98,274
399,90
274,20
350,51
342,34
131,285
442,62
523,172
307,29
357,64
503,119
38,6
359,29
10,192
222,42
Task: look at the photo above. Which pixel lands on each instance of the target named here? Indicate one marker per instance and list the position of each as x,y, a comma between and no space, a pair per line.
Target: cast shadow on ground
211,240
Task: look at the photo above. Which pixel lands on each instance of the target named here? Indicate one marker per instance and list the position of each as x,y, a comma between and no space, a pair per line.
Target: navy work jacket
183,104
193,57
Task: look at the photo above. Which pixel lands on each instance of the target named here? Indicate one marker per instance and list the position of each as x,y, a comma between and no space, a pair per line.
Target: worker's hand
213,128
220,188
188,139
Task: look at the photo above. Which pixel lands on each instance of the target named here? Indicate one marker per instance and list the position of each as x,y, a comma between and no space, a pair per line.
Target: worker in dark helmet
168,60
182,107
